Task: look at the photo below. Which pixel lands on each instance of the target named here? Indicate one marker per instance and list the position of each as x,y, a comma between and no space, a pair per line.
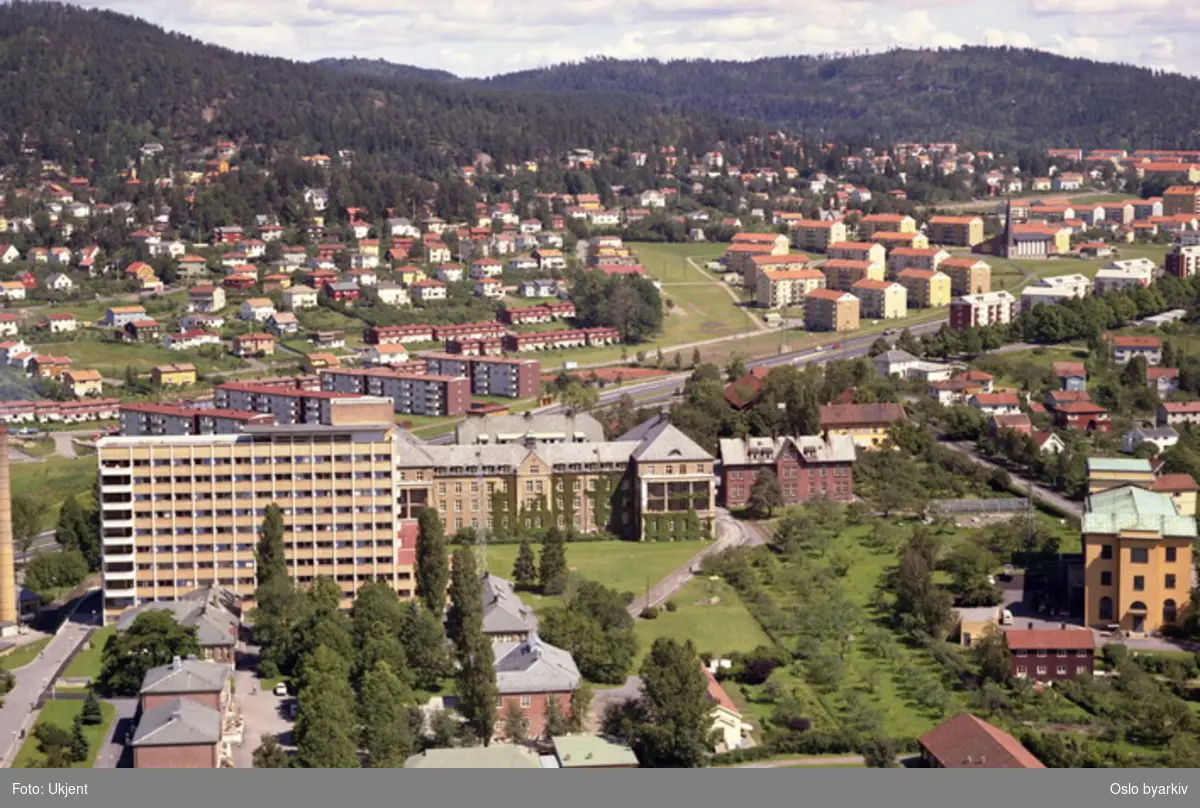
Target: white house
428,290
59,282
190,338
8,253
1163,437
258,309
393,294
61,323
489,288
299,297
449,273
1121,275
394,354
9,324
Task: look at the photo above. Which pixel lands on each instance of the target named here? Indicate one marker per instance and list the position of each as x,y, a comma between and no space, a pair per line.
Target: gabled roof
660,440
834,415
534,666
1128,507
178,722
186,676
1170,483
503,611
969,742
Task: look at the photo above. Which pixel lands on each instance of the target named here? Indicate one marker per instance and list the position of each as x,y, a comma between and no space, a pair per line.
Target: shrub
650,613
670,606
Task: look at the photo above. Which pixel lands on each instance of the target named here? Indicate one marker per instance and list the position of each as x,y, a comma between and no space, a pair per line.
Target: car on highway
835,346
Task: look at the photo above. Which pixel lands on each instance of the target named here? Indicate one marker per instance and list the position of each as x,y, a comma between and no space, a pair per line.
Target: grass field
62,712
87,661
50,482
22,655
1004,268
719,628
111,358
621,565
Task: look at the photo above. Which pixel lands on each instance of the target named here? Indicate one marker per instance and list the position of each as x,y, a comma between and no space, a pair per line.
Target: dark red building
808,467
1048,655
1081,416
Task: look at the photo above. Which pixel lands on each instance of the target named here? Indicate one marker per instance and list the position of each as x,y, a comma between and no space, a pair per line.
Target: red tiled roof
1174,482
969,742
1049,639
848,414
1162,373
718,694
1136,342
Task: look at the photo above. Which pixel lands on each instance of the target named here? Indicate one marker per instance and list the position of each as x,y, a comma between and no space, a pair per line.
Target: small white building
257,309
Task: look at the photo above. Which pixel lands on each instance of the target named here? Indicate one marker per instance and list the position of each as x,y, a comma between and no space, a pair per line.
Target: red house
1049,655
530,673
807,467
1018,422
393,334
967,742
342,292
319,277
1082,416
28,280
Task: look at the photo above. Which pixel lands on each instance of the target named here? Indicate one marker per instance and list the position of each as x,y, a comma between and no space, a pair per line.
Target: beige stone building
927,289
842,274
968,276
830,310
778,289
881,300
816,236
955,231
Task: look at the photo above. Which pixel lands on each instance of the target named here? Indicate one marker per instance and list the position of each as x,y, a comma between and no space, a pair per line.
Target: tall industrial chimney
8,570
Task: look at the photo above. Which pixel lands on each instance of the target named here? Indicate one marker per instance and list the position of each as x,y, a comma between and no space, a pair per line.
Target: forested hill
978,95
385,69
78,84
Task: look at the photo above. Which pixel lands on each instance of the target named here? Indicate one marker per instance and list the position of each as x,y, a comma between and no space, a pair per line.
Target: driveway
262,713
113,753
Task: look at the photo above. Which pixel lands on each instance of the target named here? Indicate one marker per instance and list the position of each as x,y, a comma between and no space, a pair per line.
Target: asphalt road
1039,492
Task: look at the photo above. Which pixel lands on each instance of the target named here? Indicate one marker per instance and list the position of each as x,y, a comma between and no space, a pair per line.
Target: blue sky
484,37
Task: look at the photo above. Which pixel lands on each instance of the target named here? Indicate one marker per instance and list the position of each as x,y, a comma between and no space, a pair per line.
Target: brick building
807,468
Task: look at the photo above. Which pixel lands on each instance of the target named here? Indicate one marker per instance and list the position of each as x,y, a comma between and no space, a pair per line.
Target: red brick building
1049,655
530,673
182,713
807,467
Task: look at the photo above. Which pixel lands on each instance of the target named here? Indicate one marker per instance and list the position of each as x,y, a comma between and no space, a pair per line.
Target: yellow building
955,231
1112,472
859,251
927,288
830,310
1182,490
867,425
968,276
881,300
876,223
83,382
975,623
775,263
180,374
778,289
891,241
1137,551
816,236
842,274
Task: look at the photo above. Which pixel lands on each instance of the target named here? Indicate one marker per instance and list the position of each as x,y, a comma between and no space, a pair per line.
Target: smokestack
8,570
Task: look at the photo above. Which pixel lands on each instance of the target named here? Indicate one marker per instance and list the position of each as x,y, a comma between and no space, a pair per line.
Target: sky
486,37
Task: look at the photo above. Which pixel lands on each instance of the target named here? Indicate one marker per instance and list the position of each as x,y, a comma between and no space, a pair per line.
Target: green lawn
621,565
111,358
51,481
719,628
1072,266
62,712
41,446
87,661
22,655
668,262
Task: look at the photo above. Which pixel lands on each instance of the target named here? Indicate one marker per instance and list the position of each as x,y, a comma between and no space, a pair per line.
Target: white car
281,689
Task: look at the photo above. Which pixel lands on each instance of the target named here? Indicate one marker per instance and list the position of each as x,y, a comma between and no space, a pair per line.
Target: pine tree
425,647
552,571
383,711
326,722
696,359
79,745
516,725
556,722
91,713
432,564
525,567
382,645
581,704
270,755
270,564
477,692
466,596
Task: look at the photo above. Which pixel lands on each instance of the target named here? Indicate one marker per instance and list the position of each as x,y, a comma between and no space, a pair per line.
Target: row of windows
1139,555
1139,581
1042,652
1061,670
247,548
792,472
1170,611
246,461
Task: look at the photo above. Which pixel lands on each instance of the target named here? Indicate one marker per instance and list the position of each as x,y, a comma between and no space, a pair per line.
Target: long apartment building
411,393
181,512
290,406
490,375
167,419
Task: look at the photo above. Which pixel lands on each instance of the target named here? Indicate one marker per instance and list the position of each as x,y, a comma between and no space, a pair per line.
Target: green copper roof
582,751
1131,508
1127,464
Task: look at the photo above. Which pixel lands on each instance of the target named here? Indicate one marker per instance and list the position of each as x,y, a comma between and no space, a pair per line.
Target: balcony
118,558
124,575
119,589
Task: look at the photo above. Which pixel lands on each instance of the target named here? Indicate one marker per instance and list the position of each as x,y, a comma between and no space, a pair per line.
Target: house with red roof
1163,381
1126,347
1050,655
1182,490
730,728
996,403
967,742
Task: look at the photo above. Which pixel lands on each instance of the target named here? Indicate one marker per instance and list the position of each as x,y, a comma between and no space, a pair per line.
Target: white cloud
996,38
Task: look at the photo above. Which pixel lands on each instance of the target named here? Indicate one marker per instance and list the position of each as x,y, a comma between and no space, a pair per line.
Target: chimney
8,572
1062,626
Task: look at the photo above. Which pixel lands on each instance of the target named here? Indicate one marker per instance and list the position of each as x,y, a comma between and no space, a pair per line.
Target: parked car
281,689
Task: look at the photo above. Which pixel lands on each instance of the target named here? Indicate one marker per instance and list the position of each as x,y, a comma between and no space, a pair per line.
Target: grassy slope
62,713
22,655
87,661
718,629
50,482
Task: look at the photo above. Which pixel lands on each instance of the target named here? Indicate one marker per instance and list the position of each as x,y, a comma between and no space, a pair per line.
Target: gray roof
662,441
534,666
511,455
893,357
764,451
503,611
178,722
213,611
496,756
186,676
568,426
1155,432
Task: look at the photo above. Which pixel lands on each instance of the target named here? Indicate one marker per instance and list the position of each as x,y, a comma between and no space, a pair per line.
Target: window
1106,608
1169,613
1139,555
1106,579
526,702
1061,670
1061,653
1022,671
1081,653
1169,582
1170,555
1080,670
1139,583
1041,653
1041,670
1021,652
1106,551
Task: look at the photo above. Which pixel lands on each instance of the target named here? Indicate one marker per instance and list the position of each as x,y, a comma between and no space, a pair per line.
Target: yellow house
976,623
409,275
83,382
814,235
1111,472
180,374
859,251
927,288
890,241
956,231
1137,553
881,300
865,424
1181,488
843,274
876,223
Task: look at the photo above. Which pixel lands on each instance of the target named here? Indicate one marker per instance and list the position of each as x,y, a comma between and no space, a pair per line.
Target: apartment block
772,263
927,289
1183,261
491,375
881,300
955,231
993,308
181,512
165,419
859,251
1181,199
830,310
410,393
781,288
968,276
841,273
915,258
886,223
813,235
291,406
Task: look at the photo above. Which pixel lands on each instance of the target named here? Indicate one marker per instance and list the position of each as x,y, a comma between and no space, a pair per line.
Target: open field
22,655
50,482
1003,268
111,358
719,628
625,566
87,661
62,712
668,262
